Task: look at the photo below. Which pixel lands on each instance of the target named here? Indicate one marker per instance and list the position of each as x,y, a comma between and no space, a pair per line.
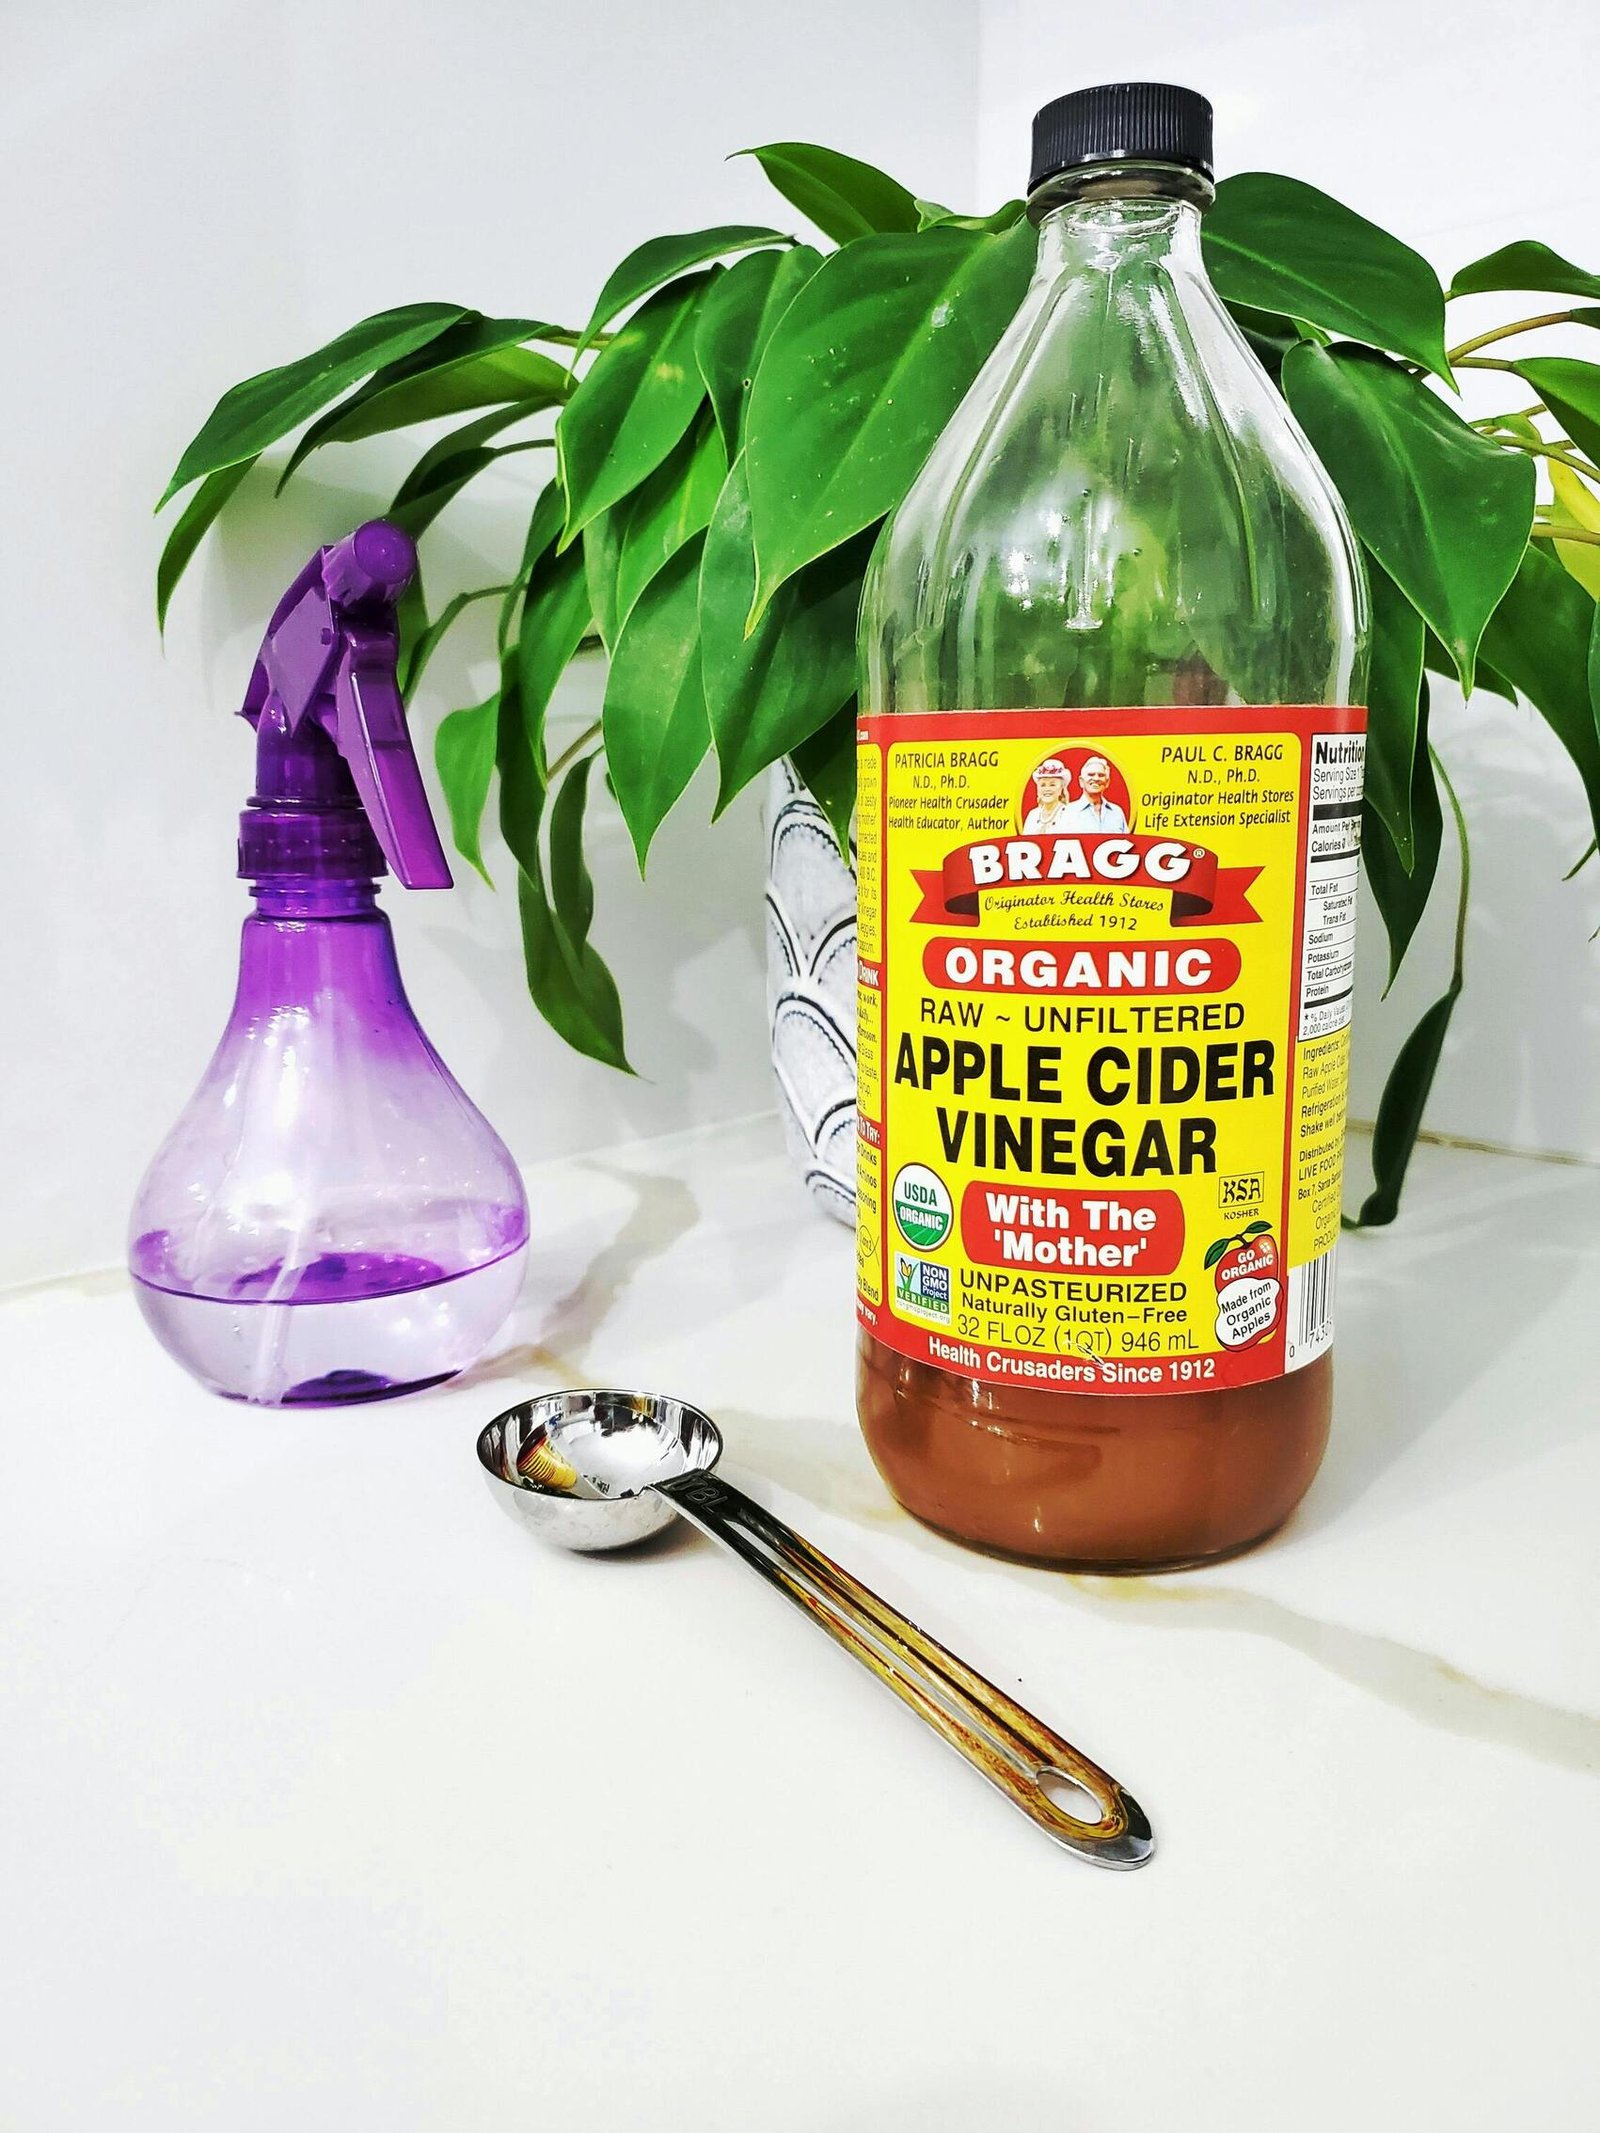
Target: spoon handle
1015,1751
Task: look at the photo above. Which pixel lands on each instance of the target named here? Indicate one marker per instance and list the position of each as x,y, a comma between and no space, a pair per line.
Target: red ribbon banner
1203,893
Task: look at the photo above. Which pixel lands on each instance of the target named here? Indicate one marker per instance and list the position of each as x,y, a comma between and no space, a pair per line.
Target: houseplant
742,408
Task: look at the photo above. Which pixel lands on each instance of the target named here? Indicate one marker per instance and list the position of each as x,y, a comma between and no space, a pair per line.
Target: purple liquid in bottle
331,1219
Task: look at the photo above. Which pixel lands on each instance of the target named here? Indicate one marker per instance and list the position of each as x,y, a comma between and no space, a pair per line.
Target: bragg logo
1161,861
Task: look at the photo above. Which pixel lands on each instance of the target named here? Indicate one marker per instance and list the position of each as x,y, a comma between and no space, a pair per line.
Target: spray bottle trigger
370,732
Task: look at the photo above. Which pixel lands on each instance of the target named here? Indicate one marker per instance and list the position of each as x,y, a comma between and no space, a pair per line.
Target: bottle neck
1109,214
304,897
320,949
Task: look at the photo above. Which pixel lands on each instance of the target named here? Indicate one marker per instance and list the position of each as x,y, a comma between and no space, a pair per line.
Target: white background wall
1459,128
203,187
198,189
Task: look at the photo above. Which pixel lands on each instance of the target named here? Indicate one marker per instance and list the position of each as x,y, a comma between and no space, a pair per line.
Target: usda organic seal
922,1210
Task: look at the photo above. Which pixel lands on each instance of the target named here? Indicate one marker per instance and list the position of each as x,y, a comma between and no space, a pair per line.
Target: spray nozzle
330,723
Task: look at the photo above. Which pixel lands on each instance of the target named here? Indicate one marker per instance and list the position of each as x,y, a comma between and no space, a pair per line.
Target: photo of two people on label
1077,789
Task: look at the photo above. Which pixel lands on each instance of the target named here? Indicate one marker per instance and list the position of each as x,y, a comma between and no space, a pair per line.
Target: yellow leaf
1576,505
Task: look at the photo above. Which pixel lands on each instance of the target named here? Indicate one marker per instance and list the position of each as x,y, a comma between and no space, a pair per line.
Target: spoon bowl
580,1468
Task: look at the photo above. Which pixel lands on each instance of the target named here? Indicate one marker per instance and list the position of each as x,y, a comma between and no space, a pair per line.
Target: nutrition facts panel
1327,967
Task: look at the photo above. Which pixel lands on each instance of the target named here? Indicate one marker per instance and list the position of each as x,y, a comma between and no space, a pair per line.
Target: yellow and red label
1106,962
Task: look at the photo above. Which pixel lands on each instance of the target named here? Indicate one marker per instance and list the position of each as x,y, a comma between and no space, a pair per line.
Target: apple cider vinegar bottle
1109,813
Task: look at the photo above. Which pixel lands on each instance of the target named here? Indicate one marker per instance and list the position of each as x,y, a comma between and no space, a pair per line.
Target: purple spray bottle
330,1219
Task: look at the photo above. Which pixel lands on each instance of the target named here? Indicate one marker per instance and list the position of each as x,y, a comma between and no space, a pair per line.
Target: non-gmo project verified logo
922,1285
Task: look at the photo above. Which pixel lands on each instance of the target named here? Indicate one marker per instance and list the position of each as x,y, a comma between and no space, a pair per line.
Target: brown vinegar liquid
1093,1482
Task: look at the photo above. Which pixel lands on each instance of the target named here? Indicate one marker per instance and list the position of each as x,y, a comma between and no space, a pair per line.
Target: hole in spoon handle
1018,1753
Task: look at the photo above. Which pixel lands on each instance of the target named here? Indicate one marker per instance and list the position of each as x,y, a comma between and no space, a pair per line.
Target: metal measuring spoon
595,1471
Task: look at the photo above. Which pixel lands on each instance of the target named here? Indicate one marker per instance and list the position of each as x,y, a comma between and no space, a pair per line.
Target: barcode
1311,1314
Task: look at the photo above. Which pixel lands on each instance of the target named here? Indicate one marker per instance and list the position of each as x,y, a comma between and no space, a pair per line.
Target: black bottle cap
1122,122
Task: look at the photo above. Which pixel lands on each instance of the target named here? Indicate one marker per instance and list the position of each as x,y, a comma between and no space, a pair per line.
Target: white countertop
332,1801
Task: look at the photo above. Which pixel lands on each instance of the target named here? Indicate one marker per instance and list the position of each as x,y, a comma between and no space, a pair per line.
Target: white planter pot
811,990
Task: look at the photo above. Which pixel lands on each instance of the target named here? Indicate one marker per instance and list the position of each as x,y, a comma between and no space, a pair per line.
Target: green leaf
418,503
624,547
555,615
843,197
826,766
670,507
468,438
430,639
569,983
520,760
661,259
1393,697
544,528
861,374
411,617
1214,1252
1280,245
768,692
470,365
1271,335
602,552
931,216
464,752
1445,511
1400,892
264,408
635,402
1539,639
1484,678
1410,1083
447,466
737,315
1571,391
1401,1107
1527,265
194,522
654,717
1255,1229
571,889
544,524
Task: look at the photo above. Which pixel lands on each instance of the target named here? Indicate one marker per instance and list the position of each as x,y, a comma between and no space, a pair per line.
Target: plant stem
1466,868
1564,533
1516,414
1551,451
1502,333
567,755
1480,363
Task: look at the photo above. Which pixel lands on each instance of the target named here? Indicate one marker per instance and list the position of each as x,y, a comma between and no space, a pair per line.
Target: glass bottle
1122,513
